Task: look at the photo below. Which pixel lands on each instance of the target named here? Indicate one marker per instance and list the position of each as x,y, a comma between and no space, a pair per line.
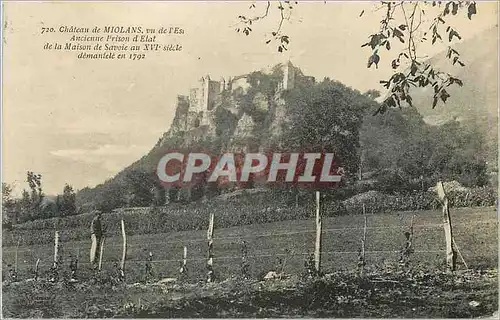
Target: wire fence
249,257
31,254
12,249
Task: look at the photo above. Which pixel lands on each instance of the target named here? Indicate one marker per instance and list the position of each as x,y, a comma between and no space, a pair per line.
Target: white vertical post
124,254
317,247
210,234
184,257
56,249
183,269
36,268
448,232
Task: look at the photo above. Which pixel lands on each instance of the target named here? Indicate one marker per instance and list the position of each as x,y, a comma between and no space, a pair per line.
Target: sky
81,121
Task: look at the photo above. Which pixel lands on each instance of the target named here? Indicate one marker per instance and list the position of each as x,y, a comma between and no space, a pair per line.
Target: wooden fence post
56,249
124,254
317,247
451,254
183,267
210,261
184,257
36,268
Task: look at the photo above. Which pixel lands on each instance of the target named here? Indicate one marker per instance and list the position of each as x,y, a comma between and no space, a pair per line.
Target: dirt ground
393,294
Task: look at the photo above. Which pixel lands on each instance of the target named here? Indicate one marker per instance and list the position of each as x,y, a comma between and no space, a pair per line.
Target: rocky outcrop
245,127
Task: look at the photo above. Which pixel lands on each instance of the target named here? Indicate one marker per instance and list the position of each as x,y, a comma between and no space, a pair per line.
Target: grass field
426,292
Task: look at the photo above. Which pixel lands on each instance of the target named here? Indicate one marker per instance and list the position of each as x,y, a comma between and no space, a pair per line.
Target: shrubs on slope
376,202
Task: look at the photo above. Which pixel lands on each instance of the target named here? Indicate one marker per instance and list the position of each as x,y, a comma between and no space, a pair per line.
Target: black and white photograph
250,159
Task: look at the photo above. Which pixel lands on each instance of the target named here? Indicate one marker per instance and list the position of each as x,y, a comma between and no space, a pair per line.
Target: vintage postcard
250,159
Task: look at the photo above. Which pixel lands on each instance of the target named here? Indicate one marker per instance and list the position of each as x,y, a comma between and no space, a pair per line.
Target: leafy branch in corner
412,70
285,10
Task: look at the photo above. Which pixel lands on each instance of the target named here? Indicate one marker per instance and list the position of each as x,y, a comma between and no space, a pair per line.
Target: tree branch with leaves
412,70
285,9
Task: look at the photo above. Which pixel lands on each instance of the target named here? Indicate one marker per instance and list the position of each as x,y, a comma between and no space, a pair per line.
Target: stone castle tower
203,96
288,81
288,76
197,109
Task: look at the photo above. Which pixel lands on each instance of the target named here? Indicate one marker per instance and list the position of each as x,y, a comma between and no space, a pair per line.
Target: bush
475,197
376,202
390,181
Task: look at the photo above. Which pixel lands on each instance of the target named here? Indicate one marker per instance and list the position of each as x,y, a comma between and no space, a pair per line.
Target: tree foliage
404,153
141,188
110,196
35,183
67,202
8,205
326,117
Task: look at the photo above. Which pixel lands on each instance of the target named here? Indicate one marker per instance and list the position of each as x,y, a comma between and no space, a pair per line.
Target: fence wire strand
248,237
182,242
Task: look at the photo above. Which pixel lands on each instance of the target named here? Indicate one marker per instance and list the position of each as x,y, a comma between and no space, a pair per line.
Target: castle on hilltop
198,108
